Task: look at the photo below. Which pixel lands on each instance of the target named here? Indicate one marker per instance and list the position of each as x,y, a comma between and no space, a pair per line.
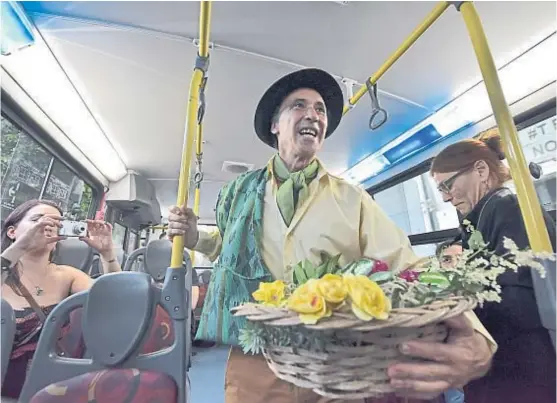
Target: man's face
450,255
301,124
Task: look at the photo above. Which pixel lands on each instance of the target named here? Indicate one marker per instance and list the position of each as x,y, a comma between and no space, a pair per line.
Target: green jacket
240,268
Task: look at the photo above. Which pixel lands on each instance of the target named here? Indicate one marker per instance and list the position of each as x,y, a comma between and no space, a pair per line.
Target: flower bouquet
337,329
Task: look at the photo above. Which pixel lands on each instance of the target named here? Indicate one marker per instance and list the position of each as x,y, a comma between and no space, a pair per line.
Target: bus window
70,192
24,167
416,206
540,146
29,171
132,240
118,235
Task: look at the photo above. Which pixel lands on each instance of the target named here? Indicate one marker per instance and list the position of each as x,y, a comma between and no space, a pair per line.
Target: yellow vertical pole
527,197
191,126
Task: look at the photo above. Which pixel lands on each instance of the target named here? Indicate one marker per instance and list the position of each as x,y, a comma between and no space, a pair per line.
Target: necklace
38,289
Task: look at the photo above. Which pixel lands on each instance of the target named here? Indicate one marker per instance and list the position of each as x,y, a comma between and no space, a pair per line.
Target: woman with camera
32,284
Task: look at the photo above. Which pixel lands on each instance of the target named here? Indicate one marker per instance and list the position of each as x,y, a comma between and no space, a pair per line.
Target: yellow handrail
414,36
527,197
191,128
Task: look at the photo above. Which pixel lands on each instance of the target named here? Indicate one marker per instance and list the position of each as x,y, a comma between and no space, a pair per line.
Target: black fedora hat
315,79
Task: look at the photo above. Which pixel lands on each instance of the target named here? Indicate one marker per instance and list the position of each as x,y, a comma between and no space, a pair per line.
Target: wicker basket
360,370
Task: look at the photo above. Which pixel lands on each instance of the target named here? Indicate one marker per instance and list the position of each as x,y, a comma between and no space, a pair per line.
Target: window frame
523,120
23,121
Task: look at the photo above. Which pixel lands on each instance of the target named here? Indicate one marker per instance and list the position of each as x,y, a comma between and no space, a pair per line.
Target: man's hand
183,222
464,357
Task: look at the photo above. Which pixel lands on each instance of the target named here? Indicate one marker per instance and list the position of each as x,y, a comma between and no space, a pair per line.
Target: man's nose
311,114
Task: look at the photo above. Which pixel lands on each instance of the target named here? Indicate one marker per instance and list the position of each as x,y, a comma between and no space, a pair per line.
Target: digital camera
73,228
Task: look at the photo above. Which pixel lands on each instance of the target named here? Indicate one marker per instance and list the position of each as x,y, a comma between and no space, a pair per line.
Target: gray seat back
157,258
118,311
133,259
545,292
8,334
206,276
75,253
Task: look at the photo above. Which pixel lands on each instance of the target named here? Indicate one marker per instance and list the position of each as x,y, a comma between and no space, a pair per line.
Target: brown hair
13,219
487,147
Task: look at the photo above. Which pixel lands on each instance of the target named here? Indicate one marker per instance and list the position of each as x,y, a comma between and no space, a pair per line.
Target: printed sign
539,142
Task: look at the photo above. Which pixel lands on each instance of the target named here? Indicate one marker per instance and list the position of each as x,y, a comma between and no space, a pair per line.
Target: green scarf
292,186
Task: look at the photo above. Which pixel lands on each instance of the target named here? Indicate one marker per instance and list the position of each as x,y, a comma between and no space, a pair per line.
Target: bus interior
95,104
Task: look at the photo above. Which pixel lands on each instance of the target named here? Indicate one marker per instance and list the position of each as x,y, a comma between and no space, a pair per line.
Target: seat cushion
111,386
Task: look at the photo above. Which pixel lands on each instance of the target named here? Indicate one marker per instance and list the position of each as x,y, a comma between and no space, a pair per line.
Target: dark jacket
523,368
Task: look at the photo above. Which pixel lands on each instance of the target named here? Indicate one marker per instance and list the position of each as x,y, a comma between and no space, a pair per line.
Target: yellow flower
332,288
367,299
270,293
308,303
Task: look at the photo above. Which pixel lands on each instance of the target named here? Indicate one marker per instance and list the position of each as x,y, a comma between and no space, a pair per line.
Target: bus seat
8,334
118,312
96,264
133,258
75,253
157,258
544,289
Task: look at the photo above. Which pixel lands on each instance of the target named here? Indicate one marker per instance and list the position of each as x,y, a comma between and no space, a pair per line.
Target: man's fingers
419,389
421,371
439,352
460,324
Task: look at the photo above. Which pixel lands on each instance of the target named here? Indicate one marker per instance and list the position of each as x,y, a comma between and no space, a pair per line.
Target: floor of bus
207,375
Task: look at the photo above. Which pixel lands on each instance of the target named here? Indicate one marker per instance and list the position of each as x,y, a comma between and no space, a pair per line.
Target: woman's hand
99,237
464,357
38,236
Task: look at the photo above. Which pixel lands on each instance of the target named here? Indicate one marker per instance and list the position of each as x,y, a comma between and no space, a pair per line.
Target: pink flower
378,266
409,275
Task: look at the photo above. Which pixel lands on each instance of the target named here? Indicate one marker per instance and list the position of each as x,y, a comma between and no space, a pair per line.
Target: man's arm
209,243
381,239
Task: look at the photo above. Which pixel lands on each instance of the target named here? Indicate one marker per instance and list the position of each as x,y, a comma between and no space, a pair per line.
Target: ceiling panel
139,80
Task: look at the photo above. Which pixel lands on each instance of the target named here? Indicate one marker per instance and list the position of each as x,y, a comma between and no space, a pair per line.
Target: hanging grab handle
378,115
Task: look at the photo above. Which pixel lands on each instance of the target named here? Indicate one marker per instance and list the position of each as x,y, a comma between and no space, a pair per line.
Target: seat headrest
206,276
75,253
157,258
116,315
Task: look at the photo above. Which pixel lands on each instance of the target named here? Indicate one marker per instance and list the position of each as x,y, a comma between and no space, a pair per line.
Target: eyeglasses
447,184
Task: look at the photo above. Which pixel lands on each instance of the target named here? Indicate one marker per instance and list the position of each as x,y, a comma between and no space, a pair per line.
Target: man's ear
274,128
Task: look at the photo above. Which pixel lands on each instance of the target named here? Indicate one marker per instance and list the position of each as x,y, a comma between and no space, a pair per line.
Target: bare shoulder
69,271
72,274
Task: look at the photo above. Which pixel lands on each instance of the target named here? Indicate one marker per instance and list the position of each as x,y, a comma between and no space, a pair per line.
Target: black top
497,215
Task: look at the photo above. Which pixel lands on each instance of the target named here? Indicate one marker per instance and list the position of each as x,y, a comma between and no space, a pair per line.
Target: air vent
236,167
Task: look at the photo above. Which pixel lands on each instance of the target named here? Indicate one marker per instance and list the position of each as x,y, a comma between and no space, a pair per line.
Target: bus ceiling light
527,73
16,31
366,168
51,89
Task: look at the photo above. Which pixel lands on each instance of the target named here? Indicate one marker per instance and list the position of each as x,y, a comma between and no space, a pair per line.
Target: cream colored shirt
337,217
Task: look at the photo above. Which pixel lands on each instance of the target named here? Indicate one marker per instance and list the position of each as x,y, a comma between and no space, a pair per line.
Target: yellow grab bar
414,36
191,126
527,197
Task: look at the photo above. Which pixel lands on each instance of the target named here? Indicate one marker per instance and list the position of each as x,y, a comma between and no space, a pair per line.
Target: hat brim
315,79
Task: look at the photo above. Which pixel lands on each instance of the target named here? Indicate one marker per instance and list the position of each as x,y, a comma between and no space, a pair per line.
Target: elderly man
270,219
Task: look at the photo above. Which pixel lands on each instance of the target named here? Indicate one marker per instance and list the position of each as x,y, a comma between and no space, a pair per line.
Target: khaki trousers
249,380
